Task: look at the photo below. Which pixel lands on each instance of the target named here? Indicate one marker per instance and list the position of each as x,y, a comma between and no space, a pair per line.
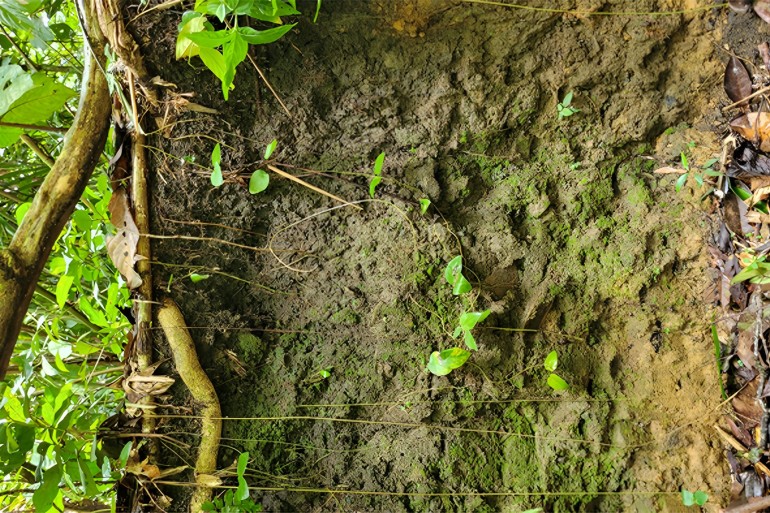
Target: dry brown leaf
754,127
669,171
759,194
746,405
122,247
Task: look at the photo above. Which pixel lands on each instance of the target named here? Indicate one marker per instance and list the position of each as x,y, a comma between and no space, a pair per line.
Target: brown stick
309,186
23,261
750,507
41,128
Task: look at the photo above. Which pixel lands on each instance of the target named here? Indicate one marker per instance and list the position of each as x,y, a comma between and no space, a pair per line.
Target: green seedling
216,174
698,498
565,108
555,381
443,362
468,321
376,179
260,179
195,277
424,205
238,500
706,170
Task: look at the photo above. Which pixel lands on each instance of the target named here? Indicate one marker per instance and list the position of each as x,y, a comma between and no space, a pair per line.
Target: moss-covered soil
563,228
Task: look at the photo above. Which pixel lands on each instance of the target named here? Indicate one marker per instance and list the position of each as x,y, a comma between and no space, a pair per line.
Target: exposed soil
563,227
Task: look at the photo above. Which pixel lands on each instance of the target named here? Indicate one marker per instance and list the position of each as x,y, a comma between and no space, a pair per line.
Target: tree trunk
23,260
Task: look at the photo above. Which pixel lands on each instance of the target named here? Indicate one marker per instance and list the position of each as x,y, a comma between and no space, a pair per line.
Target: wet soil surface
563,228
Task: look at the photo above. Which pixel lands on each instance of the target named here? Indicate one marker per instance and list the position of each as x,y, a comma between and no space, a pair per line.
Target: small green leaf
444,362
709,163
242,492
700,497
468,320
324,373
195,277
698,179
270,148
261,37
424,205
555,382
63,289
551,361
469,340
453,269
124,453
680,182
259,181
376,179
567,99
21,210
48,490
685,163
216,175
461,286
82,220
687,498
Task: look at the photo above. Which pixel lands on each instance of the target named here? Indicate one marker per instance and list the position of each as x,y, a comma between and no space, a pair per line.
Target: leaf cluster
443,362
221,50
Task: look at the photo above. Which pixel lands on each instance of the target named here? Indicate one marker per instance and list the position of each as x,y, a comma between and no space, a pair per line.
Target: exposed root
191,372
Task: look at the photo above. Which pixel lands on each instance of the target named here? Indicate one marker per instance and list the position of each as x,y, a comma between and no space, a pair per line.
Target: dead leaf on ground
746,405
122,247
754,127
737,80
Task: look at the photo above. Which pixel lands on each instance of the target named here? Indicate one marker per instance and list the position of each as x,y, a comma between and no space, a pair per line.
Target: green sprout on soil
554,380
424,205
443,362
216,174
260,179
564,108
376,179
238,500
706,170
698,498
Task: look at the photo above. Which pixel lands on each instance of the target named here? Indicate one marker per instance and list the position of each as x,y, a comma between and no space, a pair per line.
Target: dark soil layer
564,230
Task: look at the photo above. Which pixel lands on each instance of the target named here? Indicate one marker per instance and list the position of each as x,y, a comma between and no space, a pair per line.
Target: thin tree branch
35,147
41,128
16,47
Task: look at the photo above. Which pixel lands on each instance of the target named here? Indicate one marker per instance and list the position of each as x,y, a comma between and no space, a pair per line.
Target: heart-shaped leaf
444,362
259,181
551,361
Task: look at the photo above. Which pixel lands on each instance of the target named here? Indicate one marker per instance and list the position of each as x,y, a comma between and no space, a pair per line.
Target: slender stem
16,47
35,147
310,186
24,126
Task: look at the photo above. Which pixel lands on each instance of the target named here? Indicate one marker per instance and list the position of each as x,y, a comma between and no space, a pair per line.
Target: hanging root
191,372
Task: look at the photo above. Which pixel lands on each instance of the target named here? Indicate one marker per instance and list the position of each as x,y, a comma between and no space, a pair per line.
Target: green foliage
198,36
698,498
259,181
443,362
424,205
27,98
565,108
238,500
756,270
376,179
554,381
55,396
